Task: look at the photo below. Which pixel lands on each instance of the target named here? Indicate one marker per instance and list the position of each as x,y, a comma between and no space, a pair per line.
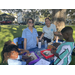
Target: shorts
48,40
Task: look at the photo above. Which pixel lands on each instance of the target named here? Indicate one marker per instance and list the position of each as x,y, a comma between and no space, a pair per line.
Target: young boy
62,56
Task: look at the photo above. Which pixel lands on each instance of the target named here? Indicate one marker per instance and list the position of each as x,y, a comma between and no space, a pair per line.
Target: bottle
45,44
39,44
51,40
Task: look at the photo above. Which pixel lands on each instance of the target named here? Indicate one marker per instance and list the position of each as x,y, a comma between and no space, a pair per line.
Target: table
37,51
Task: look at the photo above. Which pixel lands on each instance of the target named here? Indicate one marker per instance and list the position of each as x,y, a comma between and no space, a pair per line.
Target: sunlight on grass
14,28
23,29
39,29
74,35
14,31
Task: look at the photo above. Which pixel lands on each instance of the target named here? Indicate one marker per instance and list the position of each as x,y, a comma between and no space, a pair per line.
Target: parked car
42,23
38,23
6,22
23,23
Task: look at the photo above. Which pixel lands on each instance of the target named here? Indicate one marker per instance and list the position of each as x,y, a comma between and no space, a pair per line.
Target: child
11,56
62,56
21,51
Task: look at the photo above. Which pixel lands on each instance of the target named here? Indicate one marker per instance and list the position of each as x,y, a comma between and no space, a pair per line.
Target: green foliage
71,12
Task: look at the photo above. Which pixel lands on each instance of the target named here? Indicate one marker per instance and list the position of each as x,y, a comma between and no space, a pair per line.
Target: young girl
21,51
30,35
11,56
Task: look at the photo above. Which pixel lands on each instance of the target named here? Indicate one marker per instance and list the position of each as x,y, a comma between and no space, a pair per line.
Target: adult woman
30,35
48,31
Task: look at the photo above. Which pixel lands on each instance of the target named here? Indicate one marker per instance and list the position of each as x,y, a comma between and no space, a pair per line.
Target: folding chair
15,40
19,41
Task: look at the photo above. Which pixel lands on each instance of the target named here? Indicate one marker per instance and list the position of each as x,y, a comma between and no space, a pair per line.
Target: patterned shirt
64,51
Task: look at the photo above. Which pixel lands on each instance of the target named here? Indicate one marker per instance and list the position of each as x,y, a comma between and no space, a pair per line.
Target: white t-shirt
16,61
49,31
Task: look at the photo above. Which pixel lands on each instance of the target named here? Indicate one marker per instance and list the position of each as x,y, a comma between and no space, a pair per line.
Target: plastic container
34,61
45,55
39,44
46,44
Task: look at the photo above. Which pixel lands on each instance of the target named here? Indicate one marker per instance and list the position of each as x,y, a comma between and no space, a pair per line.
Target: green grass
9,32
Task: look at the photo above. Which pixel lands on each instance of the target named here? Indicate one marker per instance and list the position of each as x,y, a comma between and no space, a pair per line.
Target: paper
42,62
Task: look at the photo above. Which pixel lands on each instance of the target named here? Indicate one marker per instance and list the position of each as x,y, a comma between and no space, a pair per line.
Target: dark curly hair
7,43
8,49
66,29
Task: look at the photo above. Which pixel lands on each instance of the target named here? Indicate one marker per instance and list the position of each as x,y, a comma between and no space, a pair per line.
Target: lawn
9,32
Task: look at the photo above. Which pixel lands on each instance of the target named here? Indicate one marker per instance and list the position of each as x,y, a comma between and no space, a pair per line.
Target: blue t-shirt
31,37
16,61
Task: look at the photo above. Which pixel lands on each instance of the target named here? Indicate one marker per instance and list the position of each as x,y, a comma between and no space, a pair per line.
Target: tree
71,12
12,10
46,12
58,18
71,15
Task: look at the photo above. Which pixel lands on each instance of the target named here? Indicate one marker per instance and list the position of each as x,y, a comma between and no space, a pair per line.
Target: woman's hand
39,38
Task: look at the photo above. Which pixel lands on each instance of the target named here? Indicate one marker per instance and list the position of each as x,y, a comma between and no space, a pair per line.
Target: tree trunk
58,19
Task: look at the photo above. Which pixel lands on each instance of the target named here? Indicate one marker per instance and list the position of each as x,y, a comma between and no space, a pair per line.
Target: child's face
65,36
13,55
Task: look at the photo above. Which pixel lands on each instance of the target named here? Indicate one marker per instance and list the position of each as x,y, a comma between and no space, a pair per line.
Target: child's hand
28,54
53,50
27,51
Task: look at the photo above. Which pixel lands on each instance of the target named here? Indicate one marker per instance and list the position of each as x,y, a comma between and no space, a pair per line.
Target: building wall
19,17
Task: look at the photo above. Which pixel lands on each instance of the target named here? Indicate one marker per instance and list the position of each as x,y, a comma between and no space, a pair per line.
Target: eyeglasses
30,22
